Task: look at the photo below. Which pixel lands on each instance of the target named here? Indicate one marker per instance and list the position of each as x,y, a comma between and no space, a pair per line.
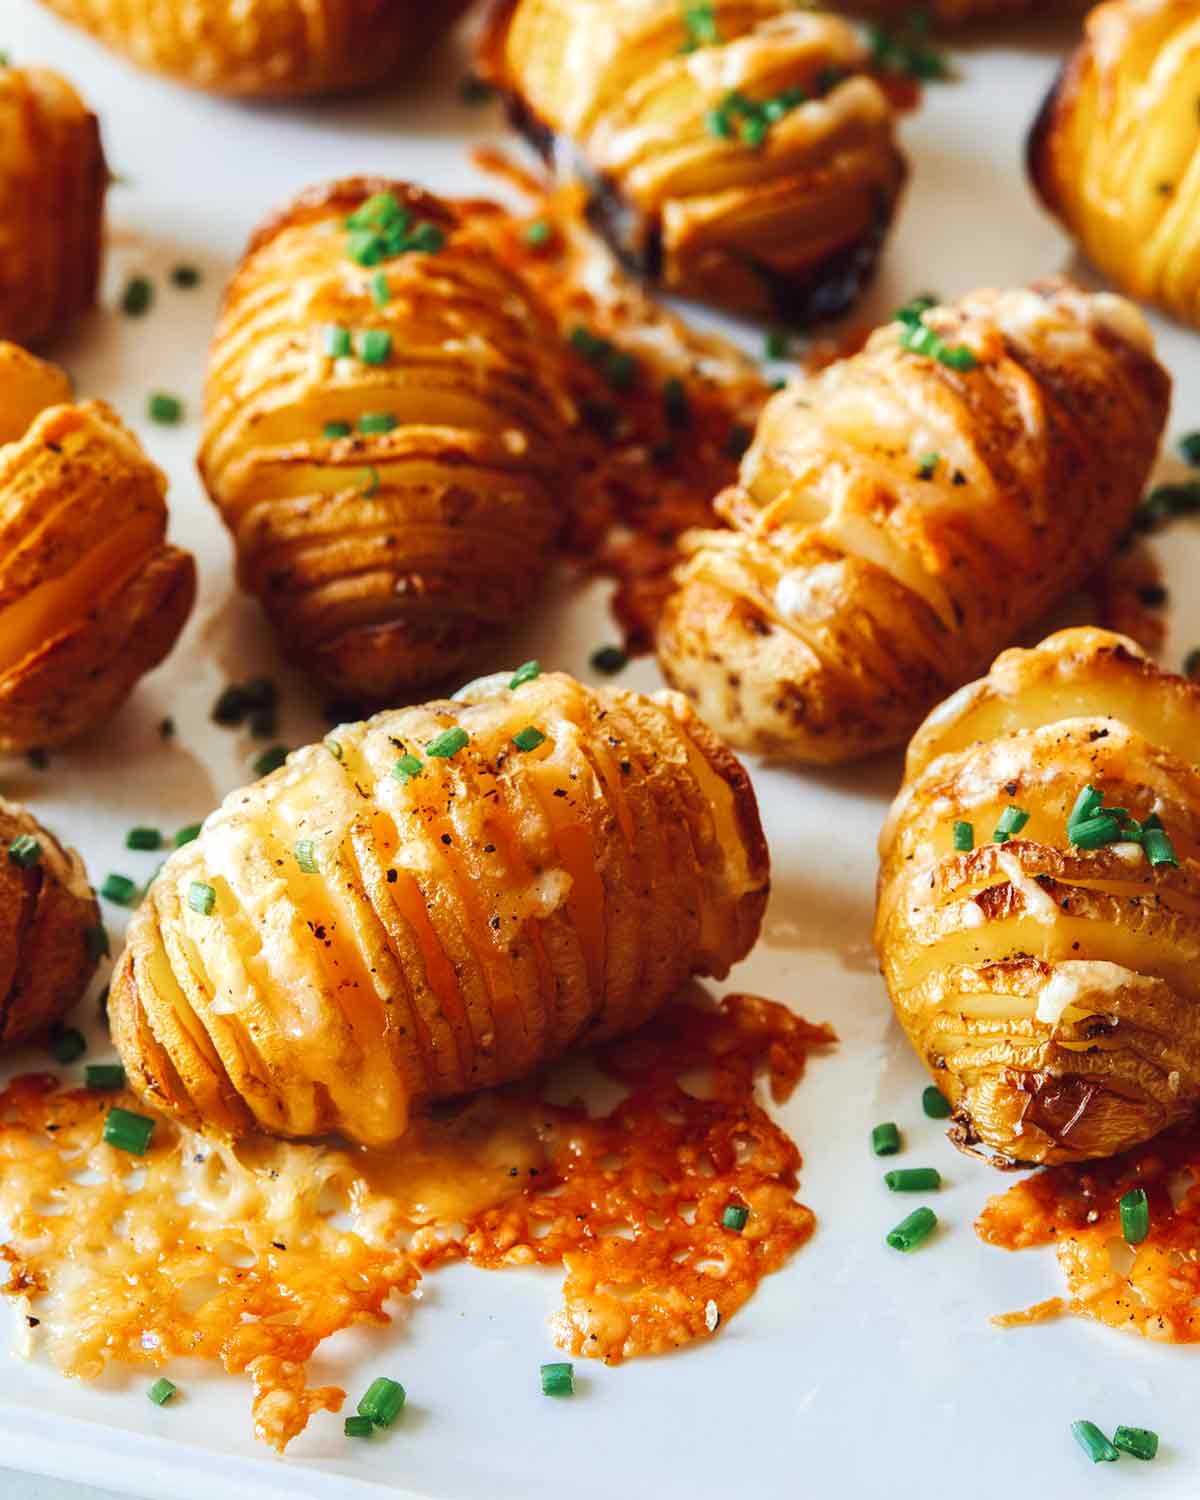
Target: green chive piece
700,23
1189,449
334,747
108,1077
1094,833
374,346
305,856
1087,804
620,369
734,1216
337,341
913,1231
270,760
1191,663
201,897
528,738
1139,1442
406,768
964,836
381,289
927,467
188,835
377,210
935,1104
366,247
185,277
1094,1443
230,707
383,1401
1135,1215
718,123
377,421
558,1379
370,484
143,839
358,1427
336,430
67,1043
1012,820
427,238
676,405
24,851
885,1139
538,233
119,889
526,672
913,1180
918,338
913,311
166,410
776,343
448,743
137,297
127,1131
95,941
162,1390
608,659
1158,847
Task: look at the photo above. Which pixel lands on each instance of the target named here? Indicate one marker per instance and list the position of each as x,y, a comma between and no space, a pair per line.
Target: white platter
854,1372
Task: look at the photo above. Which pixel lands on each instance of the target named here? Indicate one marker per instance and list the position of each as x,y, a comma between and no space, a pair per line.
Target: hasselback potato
1115,152
439,899
265,49
50,933
386,435
907,512
91,595
736,152
1049,976
53,179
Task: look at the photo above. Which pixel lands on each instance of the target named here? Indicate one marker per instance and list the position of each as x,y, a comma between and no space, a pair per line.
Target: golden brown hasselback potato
52,184
91,596
384,555
1115,152
265,49
439,899
903,515
1051,981
49,926
737,152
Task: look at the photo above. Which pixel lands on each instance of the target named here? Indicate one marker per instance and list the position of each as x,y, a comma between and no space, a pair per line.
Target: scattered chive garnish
734,1216
67,1043
1158,847
137,297
927,467
918,338
127,1131
912,1231
905,49
143,838
526,672
337,429
383,1401
751,119
700,23
935,1104
1135,1216
109,1077
1165,502
1094,1443
538,233
166,410
371,484
964,836
381,289
374,346
377,421
913,1180
608,659
885,1139
162,1390
448,743
185,277
358,1427
187,835
1012,820
558,1379
1189,449
306,856
270,760
119,889
406,768
201,897
775,344
337,341
528,738
1139,1442
24,851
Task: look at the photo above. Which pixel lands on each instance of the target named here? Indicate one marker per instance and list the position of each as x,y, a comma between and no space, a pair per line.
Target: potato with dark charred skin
737,152
49,926
909,511
1038,917
266,49
53,179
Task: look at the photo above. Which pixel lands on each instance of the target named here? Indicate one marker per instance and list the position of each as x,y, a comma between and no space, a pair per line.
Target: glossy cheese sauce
251,1256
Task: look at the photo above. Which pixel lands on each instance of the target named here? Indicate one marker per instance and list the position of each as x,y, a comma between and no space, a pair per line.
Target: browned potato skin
850,594
53,178
68,487
791,228
266,49
1115,1058
1114,152
46,912
460,929
957,12
377,592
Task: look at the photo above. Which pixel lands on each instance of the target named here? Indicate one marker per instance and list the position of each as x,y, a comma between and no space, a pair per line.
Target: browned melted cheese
1153,1288
252,1256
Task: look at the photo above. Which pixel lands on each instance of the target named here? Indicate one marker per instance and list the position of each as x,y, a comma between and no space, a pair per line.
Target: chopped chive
383,1401
1094,833
366,247
127,1131
370,484
166,410
620,369
927,466
67,1043
1189,448
448,743
95,942
378,210
24,851
188,834
526,672
358,1427
107,1077
676,405
914,310
119,889
913,1180
143,839
1135,1215
913,1231
336,430
377,421
1087,804
201,897
918,338
964,836
230,707
185,277
528,738
137,297
700,23
885,1139
1191,663
270,760
374,346
718,123
427,238
334,747
558,1379
1158,847
1094,1443
406,768
305,856
1139,1442
1012,820
935,1104
538,233
776,343
381,289
337,341
608,659
163,1389
734,1216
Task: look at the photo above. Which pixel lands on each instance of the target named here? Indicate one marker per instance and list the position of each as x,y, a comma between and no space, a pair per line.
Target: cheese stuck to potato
385,435
439,899
907,512
1049,980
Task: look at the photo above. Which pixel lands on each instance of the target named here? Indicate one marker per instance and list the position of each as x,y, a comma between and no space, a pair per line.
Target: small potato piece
48,915
395,504
1052,990
91,596
266,49
1115,152
389,920
737,152
899,518
53,178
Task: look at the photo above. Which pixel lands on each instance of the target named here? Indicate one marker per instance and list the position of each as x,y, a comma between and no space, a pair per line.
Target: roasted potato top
53,179
386,435
1115,153
738,152
908,511
439,899
1038,917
